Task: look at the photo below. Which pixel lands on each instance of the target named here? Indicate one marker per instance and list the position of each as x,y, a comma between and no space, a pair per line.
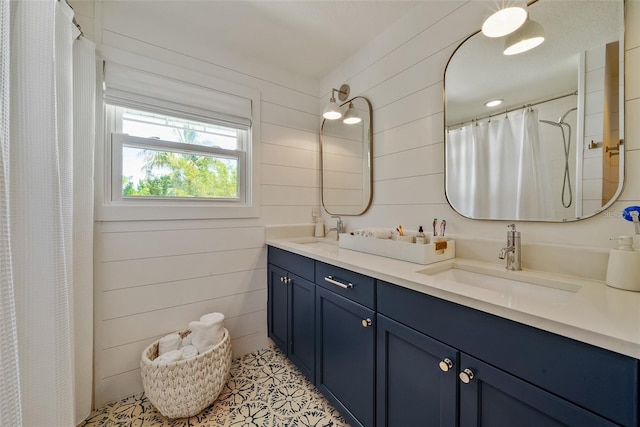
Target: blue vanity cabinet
492,397
291,308
417,380
513,374
386,355
278,306
346,343
423,382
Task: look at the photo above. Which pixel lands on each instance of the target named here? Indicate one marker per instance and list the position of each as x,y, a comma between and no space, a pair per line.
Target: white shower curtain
494,169
49,213
534,198
10,409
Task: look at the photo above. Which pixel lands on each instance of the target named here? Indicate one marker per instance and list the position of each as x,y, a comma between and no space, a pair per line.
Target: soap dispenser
319,224
632,213
623,270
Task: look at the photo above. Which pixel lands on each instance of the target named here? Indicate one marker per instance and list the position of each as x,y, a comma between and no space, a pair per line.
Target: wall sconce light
530,35
351,116
332,110
505,21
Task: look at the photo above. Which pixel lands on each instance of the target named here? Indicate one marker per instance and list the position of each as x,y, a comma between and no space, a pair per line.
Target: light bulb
526,38
332,111
505,21
351,117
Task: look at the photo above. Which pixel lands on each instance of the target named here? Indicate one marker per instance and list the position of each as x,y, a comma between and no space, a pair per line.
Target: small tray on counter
413,252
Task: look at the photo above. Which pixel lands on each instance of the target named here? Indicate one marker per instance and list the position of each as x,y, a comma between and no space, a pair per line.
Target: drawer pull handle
366,322
466,376
331,280
445,364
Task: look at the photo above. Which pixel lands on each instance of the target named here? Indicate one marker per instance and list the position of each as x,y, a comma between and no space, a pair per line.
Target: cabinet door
277,307
345,337
417,378
494,398
301,328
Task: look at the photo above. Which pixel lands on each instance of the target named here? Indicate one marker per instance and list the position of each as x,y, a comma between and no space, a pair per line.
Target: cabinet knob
282,279
466,376
366,323
445,364
288,281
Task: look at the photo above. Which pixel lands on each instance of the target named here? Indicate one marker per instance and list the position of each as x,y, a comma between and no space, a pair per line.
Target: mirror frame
622,144
368,159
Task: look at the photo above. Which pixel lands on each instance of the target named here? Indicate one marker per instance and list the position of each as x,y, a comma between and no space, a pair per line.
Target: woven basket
184,388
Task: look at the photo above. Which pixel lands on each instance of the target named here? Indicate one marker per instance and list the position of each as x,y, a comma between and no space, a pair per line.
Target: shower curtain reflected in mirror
499,160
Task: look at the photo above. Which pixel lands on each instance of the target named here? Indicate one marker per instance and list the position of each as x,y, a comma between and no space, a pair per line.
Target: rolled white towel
189,351
378,233
208,333
217,320
212,317
186,341
168,357
168,343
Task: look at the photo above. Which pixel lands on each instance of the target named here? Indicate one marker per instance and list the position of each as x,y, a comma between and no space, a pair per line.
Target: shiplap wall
401,72
153,277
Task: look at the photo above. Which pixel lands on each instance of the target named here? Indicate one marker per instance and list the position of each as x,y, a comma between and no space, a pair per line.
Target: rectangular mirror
345,153
553,149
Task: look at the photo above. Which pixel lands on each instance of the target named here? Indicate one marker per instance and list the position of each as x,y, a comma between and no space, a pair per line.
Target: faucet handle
339,226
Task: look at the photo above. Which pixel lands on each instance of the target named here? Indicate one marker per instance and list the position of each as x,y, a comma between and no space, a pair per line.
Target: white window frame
109,208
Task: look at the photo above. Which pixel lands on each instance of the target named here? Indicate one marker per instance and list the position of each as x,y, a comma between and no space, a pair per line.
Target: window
156,156
177,145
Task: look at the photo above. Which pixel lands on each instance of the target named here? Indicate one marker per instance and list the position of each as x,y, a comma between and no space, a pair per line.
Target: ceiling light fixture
332,110
351,117
505,21
530,35
493,103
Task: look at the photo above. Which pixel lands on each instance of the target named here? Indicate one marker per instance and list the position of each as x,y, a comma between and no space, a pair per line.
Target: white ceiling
307,37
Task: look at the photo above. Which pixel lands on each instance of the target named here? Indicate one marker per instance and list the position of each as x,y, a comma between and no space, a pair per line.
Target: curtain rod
511,110
73,21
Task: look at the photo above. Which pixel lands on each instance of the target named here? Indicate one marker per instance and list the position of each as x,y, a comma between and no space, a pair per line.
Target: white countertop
596,314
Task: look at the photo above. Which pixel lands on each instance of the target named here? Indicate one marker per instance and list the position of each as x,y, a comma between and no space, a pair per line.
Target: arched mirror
345,153
553,150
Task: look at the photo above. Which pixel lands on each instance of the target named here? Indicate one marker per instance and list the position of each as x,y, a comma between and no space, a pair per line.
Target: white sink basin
510,287
323,244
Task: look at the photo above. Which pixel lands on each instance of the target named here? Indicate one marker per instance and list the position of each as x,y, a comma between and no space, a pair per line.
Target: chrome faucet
512,252
339,228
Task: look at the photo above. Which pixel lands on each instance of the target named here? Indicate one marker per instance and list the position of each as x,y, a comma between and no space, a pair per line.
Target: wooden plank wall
153,277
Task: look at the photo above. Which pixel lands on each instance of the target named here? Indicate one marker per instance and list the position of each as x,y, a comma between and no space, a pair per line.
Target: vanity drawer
355,286
603,381
294,263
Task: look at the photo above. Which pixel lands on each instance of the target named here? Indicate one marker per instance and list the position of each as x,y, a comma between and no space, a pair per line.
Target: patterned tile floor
265,390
